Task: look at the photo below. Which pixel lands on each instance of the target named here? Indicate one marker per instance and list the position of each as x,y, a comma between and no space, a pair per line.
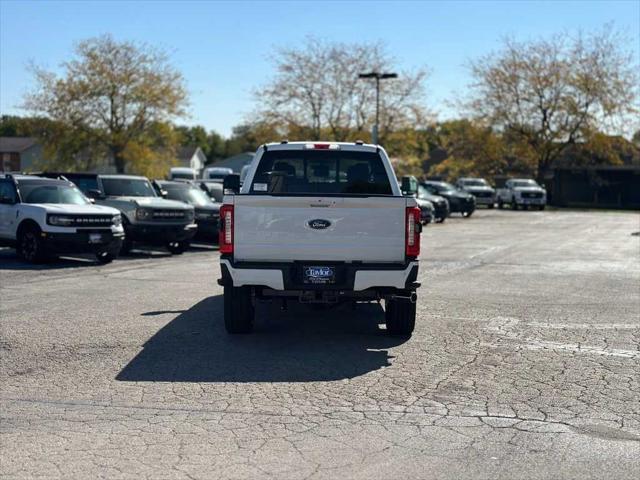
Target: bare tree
551,91
115,93
317,86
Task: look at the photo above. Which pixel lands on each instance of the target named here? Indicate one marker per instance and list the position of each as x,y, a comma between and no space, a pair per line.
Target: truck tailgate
277,228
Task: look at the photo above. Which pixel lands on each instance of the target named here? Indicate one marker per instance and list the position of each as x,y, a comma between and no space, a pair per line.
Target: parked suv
459,201
319,223
522,192
207,212
479,188
42,217
146,217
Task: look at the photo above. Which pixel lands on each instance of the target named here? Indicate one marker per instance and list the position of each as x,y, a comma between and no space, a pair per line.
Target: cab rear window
324,172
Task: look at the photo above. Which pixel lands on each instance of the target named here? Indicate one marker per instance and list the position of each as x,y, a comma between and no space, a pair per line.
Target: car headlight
117,220
144,213
60,220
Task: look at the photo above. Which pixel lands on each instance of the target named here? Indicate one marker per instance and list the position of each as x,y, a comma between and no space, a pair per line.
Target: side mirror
164,193
95,194
231,183
409,185
92,200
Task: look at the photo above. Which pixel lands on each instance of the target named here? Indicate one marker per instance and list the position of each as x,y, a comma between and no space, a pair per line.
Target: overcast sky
222,48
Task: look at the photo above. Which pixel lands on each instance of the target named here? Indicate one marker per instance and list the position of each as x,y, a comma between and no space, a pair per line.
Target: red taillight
412,235
225,236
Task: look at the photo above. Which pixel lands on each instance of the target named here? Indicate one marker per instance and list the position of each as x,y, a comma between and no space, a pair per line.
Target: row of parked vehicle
64,212
438,199
67,212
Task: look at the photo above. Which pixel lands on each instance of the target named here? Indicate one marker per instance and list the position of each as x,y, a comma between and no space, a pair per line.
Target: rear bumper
351,277
81,242
160,234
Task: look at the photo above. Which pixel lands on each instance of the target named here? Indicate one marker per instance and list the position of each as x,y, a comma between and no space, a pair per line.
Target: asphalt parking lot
525,363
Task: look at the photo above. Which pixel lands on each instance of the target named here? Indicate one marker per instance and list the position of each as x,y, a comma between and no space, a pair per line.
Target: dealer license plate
318,275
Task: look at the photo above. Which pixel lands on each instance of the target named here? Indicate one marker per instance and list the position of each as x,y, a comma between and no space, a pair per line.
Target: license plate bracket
318,274
95,238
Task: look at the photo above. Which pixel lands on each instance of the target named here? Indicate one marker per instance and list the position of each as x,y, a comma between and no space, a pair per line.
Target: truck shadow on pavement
300,345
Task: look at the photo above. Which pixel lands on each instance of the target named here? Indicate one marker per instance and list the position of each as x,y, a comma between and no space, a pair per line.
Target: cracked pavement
525,363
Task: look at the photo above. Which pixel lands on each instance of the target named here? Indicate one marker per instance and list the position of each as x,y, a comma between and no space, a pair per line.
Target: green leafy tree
551,92
114,95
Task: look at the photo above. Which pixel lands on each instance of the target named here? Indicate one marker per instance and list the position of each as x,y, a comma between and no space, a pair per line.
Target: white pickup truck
319,223
521,192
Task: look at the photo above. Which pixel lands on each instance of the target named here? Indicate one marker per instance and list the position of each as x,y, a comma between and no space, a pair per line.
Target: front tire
239,311
500,204
30,245
514,204
177,248
400,316
105,257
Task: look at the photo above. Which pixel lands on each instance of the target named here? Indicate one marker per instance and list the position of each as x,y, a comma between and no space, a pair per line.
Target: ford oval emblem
319,224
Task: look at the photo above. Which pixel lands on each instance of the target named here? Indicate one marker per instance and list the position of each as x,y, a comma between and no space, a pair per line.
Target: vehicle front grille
483,194
169,215
91,221
532,195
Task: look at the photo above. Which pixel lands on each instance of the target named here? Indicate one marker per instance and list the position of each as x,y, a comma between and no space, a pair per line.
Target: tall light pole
378,76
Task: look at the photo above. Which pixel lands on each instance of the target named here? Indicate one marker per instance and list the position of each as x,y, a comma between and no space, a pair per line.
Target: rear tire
30,245
239,312
400,316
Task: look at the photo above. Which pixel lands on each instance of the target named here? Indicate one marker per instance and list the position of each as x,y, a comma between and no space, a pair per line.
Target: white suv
41,217
319,223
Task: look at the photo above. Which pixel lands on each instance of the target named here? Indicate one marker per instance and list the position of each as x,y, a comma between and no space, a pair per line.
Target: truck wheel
400,316
238,310
514,204
500,204
177,248
30,245
541,207
490,205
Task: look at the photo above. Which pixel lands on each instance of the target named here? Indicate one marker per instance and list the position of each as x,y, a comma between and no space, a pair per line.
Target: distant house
191,157
19,154
236,162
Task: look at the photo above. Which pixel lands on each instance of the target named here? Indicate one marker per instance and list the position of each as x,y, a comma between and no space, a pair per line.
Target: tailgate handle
321,202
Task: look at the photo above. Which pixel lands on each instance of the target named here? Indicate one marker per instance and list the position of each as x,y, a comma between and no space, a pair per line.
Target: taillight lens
225,238
412,237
